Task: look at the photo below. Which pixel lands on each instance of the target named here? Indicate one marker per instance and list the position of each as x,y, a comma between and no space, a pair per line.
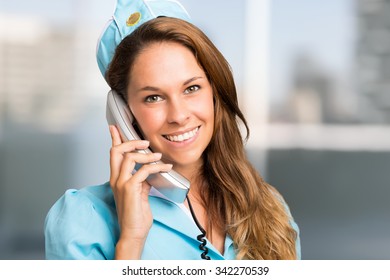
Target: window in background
329,132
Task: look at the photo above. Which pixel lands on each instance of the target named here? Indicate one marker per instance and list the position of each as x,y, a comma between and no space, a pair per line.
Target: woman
181,92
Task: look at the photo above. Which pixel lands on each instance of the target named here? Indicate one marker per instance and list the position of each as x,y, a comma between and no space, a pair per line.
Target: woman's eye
192,89
153,99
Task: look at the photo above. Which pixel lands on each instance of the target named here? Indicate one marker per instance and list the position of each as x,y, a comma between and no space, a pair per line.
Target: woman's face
172,101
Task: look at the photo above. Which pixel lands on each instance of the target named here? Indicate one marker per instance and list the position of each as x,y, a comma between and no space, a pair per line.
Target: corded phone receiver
171,184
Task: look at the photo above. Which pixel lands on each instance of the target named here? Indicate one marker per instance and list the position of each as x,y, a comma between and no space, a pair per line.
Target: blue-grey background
327,148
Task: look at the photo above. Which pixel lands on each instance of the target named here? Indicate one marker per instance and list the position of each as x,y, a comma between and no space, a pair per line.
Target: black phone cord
201,237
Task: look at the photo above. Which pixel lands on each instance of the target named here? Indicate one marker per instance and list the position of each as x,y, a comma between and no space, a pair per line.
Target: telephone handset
171,184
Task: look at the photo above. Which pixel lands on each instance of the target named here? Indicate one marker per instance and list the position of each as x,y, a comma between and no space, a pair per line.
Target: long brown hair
238,200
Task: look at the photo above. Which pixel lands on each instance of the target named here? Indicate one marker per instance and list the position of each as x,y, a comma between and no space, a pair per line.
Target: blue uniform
83,224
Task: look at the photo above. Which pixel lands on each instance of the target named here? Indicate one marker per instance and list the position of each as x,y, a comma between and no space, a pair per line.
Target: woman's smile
181,137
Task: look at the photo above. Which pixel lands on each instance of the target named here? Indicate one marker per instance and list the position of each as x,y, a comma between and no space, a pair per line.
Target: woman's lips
182,137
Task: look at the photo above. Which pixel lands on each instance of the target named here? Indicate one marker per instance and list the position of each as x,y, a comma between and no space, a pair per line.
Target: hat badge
133,19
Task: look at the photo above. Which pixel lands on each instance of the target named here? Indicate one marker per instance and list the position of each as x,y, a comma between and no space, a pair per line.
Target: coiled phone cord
201,237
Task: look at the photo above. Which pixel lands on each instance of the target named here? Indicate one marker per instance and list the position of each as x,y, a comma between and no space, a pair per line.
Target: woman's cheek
151,122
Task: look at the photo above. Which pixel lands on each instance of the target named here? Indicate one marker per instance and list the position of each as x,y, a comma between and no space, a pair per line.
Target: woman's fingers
115,158
118,150
149,169
129,162
125,146
115,136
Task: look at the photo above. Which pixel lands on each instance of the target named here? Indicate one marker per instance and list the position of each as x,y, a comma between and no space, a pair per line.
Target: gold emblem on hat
133,19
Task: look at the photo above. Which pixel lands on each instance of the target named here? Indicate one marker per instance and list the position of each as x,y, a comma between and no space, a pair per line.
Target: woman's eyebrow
149,88
192,79
153,88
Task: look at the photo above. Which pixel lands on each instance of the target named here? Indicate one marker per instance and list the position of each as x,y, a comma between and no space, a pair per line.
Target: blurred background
313,79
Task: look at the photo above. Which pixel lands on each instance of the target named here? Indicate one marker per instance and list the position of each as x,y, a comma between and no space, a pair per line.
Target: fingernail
158,155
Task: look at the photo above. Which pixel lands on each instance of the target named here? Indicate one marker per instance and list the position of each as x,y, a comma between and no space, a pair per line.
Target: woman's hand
131,192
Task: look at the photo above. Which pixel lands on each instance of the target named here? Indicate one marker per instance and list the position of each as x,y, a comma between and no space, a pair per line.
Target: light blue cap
128,15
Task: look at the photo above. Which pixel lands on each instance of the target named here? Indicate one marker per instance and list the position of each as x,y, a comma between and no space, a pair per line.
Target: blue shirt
83,224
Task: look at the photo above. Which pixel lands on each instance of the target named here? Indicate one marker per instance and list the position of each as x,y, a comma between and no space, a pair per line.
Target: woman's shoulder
95,193
81,217
81,201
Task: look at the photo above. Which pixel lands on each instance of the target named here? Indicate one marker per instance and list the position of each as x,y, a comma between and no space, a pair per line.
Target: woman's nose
178,112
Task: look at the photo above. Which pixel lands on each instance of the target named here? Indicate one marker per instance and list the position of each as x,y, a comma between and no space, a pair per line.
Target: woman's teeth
182,137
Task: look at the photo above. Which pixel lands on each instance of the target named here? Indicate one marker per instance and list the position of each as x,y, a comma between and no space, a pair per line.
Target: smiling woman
181,92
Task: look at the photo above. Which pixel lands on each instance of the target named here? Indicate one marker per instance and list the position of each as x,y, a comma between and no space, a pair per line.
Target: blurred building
328,150
316,95
373,60
50,88
312,95
42,81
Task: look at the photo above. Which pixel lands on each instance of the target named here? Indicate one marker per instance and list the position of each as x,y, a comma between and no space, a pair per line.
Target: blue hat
128,15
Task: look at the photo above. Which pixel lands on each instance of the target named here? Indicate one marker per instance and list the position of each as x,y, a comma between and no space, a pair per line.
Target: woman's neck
192,172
